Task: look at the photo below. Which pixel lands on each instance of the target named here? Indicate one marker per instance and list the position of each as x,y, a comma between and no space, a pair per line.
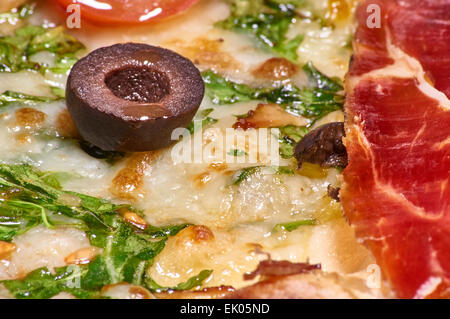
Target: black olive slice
130,97
333,192
96,152
323,146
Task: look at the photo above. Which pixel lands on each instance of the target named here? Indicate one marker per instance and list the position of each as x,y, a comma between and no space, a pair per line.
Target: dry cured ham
396,191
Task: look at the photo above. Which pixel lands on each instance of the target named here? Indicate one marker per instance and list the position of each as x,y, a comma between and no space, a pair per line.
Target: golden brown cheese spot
24,138
202,233
194,234
123,290
6,249
269,115
65,125
202,179
339,10
30,118
137,292
133,218
142,160
229,172
205,293
81,256
197,248
218,166
275,69
206,52
128,182
254,247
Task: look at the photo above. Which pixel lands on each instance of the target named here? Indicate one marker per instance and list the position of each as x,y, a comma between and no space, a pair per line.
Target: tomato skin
113,12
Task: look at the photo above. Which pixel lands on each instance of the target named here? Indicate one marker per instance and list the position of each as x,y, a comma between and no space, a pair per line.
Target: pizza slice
118,179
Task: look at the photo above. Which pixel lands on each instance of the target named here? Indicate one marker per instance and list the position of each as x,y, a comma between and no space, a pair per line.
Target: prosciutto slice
396,191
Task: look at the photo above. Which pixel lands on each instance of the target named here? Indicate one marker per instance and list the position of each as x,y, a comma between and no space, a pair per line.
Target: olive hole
138,84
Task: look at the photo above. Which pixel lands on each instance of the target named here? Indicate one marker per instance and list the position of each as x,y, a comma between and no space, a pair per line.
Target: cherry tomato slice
128,11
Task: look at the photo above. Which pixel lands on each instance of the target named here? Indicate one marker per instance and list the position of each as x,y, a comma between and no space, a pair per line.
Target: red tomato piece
128,11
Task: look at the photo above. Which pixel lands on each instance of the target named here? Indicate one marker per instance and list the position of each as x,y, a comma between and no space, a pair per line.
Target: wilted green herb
237,153
189,284
43,284
320,98
289,137
267,20
206,121
17,14
223,91
245,173
10,97
33,198
284,170
294,225
321,81
59,92
63,64
16,50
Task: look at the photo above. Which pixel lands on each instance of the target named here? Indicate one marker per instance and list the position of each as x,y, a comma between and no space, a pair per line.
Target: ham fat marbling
396,191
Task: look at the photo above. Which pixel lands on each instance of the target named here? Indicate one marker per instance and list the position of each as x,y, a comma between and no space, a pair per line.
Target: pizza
224,149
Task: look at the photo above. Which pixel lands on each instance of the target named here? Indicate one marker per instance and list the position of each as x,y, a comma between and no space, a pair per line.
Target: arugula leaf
205,121
64,64
289,137
223,91
33,194
127,254
268,21
294,225
10,97
320,80
245,173
16,50
237,153
192,128
192,282
16,219
323,97
43,284
58,92
32,198
284,170
54,40
81,281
